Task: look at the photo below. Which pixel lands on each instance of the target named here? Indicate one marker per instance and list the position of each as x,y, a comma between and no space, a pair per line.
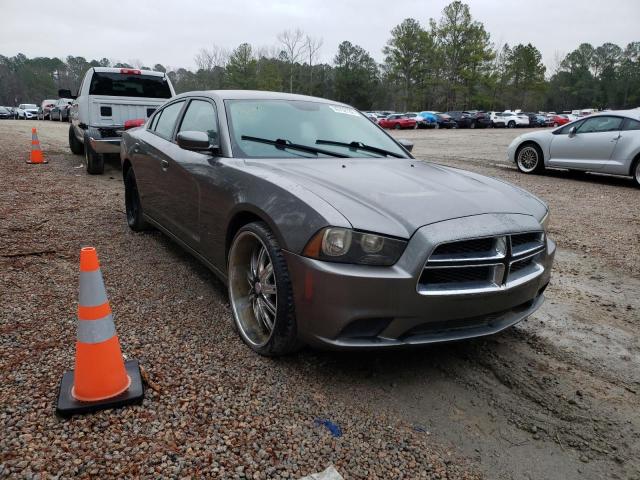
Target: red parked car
397,121
556,120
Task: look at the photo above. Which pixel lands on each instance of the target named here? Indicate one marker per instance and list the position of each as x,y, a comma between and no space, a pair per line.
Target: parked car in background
607,142
61,110
569,116
398,121
445,121
371,116
420,120
108,97
556,120
5,114
27,111
540,121
497,120
325,229
513,120
431,118
470,119
45,109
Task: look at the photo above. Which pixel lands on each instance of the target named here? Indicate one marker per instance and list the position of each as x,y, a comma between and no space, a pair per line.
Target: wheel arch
243,215
534,144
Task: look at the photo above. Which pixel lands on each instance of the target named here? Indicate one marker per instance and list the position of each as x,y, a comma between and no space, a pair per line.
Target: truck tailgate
114,111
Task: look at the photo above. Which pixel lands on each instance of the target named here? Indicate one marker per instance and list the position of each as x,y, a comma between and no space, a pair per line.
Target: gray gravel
213,407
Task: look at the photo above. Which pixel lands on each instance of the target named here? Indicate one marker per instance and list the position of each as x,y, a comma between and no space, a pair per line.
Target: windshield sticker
345,110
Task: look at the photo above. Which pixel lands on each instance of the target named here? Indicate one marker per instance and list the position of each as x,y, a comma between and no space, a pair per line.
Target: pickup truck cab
106,99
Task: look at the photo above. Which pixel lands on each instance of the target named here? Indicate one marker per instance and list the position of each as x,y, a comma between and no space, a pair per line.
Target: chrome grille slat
501,261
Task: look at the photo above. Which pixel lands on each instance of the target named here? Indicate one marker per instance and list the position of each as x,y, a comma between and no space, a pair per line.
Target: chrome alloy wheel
252,288
528,159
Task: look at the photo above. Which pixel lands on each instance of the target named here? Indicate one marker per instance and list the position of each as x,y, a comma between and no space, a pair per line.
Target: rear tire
397,126
95,161
636,172
511,124
74,144
529,158
133,206
260,292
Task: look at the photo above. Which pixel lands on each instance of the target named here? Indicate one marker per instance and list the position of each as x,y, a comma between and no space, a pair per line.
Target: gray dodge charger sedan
326,230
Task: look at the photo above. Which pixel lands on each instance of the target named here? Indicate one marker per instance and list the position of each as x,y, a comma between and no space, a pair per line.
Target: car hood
398,196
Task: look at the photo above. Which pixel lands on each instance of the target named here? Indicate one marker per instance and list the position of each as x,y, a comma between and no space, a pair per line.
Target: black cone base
67,405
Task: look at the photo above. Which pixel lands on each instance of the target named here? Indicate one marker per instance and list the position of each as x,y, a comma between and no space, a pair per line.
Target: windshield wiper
283,144
360,146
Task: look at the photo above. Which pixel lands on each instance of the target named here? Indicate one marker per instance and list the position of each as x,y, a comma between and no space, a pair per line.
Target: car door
626,148
184,200
152,161
590,148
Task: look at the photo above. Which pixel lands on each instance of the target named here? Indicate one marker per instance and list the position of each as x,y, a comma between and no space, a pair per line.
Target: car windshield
303,123
129,85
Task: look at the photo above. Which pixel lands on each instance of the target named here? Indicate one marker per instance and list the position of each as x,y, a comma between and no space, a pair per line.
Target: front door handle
164,164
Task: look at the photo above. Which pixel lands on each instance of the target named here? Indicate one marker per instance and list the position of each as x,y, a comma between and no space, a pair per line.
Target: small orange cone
36,153
101,378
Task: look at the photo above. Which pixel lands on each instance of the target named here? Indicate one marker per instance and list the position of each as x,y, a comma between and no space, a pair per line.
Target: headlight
545,221
336,244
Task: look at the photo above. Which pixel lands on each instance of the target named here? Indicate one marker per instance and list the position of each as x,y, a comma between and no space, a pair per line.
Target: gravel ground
213,407
554,397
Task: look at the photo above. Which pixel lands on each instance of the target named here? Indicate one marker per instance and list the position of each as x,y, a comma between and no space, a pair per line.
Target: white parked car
512,120
497,120
27,111
106,100
607,142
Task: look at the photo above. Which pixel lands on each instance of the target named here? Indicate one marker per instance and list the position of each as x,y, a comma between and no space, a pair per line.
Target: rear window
129,85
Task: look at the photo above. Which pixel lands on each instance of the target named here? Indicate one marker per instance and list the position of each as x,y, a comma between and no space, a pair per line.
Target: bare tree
312,46
294,45
209,58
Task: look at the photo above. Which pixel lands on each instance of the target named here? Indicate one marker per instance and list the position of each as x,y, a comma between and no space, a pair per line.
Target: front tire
397,126
511,124
260,292
636,173
133,206
95,161
529,158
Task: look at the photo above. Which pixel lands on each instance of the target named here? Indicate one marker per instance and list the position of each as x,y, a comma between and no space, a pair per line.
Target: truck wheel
74,144
95,161
133,206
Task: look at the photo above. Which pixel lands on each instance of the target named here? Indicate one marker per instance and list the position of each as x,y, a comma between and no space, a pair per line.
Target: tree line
445,64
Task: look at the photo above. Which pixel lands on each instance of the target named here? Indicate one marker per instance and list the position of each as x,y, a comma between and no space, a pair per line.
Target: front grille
482,264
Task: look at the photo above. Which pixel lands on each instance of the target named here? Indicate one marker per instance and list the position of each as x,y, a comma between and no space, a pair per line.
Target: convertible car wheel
260,292
135,218
529,159
636,174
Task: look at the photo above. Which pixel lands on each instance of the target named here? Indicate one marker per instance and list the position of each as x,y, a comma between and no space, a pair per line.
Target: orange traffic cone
36,153
101,378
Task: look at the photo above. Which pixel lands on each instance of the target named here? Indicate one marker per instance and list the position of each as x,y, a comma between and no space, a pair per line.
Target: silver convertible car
326,230
607,142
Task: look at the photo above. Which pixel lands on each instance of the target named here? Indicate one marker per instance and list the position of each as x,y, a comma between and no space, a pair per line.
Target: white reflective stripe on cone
92,292
96,331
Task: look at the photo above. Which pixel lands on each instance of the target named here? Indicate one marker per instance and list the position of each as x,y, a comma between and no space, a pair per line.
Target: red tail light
130,71
138,122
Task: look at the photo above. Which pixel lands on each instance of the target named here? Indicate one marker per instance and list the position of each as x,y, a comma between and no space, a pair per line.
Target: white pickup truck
106,99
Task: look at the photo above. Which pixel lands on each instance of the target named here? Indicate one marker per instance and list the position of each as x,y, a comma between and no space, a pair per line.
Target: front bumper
343,306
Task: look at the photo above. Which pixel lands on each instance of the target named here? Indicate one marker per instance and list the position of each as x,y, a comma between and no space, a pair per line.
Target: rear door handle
164,164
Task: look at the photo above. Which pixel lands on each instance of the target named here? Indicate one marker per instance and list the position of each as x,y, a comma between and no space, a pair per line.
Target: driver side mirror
65,93
572,132
195,141
406,144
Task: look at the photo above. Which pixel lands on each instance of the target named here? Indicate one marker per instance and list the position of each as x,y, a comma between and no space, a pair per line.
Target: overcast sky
172,31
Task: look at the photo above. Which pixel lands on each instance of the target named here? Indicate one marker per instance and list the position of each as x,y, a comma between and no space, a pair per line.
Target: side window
201,117
154,122
631,124
167,121
565,130
600,124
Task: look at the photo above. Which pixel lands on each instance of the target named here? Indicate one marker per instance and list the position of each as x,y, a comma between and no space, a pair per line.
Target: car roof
634,114
117,70
255,95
